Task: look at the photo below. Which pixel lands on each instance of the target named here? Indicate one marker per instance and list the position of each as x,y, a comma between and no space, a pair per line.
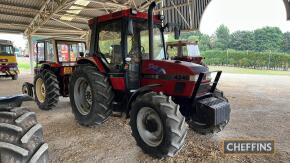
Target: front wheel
27,88
157,125
46,89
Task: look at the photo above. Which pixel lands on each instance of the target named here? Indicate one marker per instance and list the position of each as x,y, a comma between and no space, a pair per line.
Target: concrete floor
260,110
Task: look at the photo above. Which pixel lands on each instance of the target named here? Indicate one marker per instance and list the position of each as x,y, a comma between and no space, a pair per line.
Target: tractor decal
156,69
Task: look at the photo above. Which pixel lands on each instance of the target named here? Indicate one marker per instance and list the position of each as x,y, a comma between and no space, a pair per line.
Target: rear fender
47,66
140,91
94,61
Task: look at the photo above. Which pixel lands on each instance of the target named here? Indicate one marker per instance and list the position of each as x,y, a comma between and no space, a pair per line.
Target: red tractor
184,51
128,71
55,62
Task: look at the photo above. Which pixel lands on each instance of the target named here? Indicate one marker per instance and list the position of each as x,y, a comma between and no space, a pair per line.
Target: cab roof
59,39
6,42
129,13
181,43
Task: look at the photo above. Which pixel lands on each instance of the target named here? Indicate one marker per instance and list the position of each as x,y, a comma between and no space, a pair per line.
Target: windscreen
190,50
141,29
193,50
6,50
69,51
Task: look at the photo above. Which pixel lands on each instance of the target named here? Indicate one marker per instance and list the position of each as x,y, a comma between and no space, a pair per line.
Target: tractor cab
8,63
60,52
120,41
184,51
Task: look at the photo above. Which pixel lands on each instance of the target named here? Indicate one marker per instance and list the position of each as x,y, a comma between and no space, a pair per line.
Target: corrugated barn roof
69,17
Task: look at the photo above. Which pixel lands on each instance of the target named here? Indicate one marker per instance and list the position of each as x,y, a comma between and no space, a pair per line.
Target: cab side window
40,51
49,52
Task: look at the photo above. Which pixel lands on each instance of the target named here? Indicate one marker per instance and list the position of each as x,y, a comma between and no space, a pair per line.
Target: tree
205,42
222,37
286,42
268,38
242,40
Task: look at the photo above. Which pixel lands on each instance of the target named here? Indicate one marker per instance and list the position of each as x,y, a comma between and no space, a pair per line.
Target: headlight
208,76
13,69
193,78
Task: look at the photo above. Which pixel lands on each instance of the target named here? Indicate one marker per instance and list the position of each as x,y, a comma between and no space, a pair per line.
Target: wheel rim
25,90
83,96
40,90
150,126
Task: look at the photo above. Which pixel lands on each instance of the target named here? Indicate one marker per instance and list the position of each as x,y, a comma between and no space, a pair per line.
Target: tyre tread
176,128
52,90
27,137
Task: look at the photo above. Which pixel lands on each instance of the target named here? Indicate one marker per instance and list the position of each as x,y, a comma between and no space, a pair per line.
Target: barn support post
30,50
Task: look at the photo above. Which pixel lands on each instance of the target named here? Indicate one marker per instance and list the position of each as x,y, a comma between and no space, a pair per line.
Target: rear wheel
91,96
27,88
157,125
46,89
21,137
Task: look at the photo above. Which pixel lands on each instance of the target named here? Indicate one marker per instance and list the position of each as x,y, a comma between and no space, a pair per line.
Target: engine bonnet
172,67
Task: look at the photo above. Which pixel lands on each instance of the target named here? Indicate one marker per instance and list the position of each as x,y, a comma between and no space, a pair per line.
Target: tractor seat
13,101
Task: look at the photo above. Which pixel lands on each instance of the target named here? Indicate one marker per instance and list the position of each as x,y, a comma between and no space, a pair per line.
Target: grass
24,66
236,70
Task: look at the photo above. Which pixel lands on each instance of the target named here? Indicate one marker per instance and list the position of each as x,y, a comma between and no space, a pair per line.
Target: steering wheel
142,49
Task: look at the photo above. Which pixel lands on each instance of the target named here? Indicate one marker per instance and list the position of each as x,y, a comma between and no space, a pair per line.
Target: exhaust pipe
150,27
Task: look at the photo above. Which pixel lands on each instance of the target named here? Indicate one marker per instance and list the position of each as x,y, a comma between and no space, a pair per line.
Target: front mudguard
137,93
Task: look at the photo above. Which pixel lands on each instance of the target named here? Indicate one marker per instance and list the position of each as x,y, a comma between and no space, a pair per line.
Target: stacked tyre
21,137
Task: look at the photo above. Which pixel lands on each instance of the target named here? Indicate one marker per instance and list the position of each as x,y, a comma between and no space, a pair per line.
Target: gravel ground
260,110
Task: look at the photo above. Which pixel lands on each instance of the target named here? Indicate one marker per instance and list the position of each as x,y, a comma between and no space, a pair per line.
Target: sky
17,39
236,14
244,15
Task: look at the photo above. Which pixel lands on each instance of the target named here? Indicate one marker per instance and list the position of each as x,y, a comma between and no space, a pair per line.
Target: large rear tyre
157,125
46,89
91,96
21,137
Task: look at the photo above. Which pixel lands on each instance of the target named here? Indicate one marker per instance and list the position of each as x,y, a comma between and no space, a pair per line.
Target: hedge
248,59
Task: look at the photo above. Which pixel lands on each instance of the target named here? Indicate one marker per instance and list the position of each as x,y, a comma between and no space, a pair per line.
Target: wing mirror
128,59
176,33
175,28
